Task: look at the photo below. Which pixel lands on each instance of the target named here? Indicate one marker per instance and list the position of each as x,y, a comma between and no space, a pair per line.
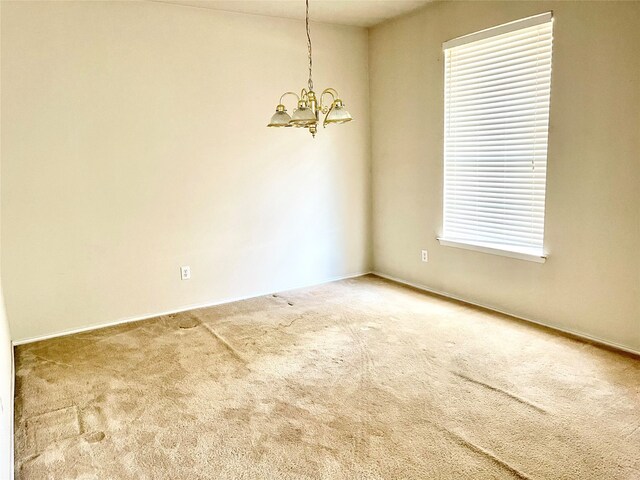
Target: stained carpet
357,379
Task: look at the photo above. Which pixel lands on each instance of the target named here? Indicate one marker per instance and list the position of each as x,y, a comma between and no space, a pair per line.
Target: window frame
512,251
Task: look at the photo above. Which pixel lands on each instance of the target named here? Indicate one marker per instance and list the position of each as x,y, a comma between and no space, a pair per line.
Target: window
497,87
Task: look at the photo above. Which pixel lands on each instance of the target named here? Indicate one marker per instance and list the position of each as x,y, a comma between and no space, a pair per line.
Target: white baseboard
186,308
574,333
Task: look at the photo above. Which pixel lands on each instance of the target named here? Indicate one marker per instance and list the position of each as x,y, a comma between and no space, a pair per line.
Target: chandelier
307,113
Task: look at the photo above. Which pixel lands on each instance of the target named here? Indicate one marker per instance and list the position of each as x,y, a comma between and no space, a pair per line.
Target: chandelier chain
309,47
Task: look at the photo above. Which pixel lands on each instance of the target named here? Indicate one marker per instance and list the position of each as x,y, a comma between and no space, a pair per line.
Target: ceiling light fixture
309,108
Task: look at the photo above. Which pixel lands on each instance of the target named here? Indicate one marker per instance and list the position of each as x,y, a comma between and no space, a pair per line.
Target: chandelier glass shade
281,118
309,106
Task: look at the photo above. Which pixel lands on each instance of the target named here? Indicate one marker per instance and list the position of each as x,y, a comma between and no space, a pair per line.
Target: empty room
319,239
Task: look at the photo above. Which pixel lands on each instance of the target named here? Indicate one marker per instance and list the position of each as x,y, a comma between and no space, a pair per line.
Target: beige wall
6,372
134,142
591,281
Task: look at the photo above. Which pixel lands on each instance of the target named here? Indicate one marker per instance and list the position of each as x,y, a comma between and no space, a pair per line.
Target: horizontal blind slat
501,118
472,82
497,41
458,110
483,109
533,61
496,205
526,86
528,65
502,94
523,44
523,232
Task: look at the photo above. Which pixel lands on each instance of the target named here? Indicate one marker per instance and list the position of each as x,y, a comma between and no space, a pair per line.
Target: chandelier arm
309,46
289,93
324,123
332,91
329,91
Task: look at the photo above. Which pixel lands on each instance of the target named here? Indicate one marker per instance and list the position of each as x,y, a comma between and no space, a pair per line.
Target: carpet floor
357,379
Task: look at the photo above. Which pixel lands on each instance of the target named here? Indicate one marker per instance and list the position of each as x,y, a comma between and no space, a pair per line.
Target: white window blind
497,86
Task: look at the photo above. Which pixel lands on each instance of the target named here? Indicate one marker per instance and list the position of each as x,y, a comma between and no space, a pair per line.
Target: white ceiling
362,13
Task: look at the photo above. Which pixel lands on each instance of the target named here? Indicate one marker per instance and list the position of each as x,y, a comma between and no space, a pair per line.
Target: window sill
478,247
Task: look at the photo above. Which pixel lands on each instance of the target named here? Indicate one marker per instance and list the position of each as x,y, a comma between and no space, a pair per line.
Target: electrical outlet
425,256
185,272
